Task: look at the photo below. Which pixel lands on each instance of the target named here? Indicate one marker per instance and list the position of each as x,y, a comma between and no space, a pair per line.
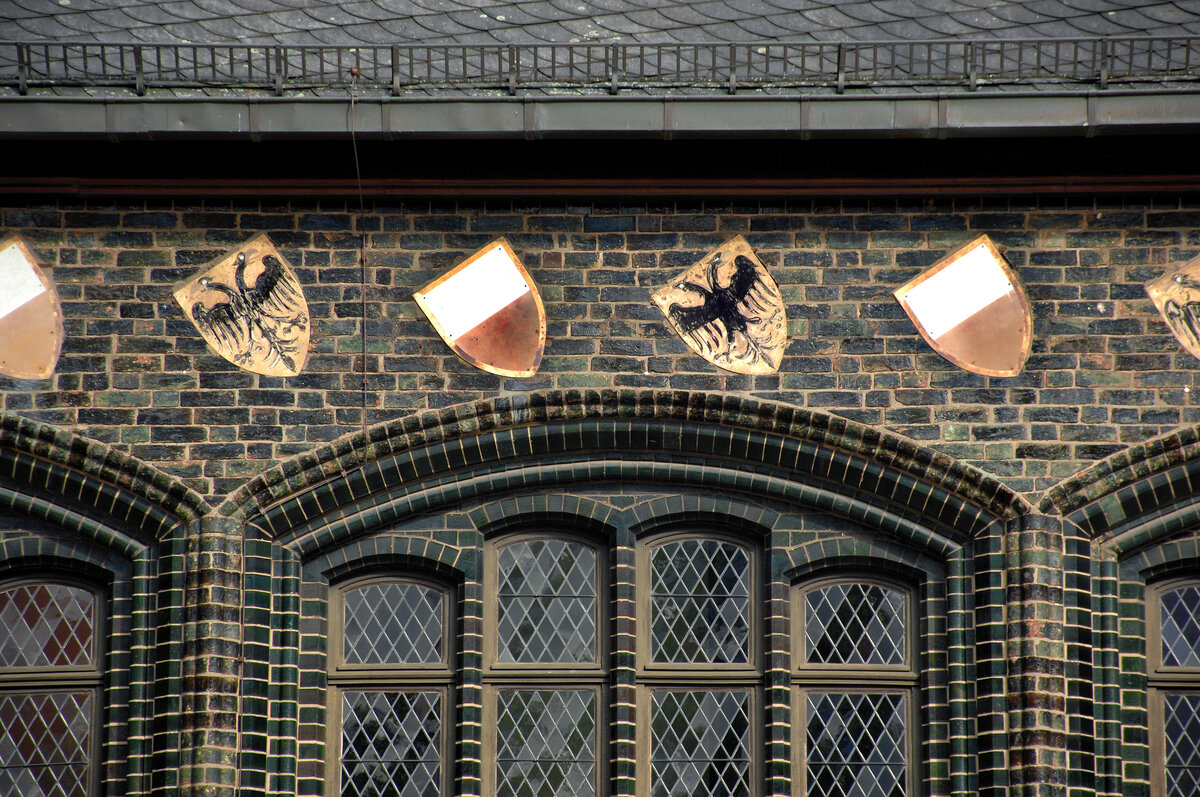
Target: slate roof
374,22
283,67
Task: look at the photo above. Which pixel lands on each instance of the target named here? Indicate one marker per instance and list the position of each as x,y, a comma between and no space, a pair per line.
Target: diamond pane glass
46,625
700,744
1182,721
546,743
700,602
547,602
854,624
393,623
45,744
391,744
856,744
1181,627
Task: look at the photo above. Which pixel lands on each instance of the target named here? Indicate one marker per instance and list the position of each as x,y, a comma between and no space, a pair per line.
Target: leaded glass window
49,657
46,743
699,665
394,623
854,624
856,743
546,602
47,625
1180,635
700,602
545,674
390,681
700,743
546,743
854,683
1181,727
1173,656
391,743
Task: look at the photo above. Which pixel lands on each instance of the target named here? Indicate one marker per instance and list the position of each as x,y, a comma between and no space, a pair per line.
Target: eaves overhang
535,116
944,88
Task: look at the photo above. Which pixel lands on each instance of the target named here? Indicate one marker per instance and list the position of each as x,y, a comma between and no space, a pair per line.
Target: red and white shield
488,310
970,307
31,318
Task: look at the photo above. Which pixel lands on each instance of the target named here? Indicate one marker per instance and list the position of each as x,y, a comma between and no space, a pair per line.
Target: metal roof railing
613,66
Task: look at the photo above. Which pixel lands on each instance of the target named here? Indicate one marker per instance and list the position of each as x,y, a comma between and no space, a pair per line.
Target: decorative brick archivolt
662,514
404,553
1137,496
1132,519
711,442
72,481
572,512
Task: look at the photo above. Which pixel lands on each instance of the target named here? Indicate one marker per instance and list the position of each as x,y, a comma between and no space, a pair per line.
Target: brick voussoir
550,407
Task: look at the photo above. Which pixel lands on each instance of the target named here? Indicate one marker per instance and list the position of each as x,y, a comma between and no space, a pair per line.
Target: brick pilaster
211,659
1036,657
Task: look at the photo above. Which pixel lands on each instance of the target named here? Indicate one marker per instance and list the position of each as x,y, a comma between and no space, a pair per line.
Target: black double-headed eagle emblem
251,310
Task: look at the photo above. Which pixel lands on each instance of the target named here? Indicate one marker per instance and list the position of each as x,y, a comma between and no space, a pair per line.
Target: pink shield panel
31,318
970,307
489,312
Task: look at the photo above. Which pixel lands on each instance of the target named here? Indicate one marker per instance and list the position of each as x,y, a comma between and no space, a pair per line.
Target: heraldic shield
31,318
250,309
729,310
970,307
1176,294
488,310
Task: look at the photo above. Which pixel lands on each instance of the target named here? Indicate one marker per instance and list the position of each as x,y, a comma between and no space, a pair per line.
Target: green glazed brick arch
427,461
660,514
522,511
40,554
1137,496
58,469
407,553
858,552
106,535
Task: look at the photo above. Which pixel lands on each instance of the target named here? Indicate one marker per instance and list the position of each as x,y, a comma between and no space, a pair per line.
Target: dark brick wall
1105,372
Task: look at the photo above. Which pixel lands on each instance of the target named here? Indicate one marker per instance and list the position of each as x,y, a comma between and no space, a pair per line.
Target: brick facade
221,505
1105,372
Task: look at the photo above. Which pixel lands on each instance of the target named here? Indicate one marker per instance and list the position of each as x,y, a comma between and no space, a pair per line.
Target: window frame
648,669
1163,680
491,696
491,609
64,679
645,733
878,679
436,677
337,615
654,677
501,676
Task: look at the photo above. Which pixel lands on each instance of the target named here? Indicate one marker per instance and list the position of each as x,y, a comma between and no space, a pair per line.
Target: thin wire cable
362,239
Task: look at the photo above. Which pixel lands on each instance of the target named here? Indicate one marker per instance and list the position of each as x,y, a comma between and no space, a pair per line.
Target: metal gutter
954,115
